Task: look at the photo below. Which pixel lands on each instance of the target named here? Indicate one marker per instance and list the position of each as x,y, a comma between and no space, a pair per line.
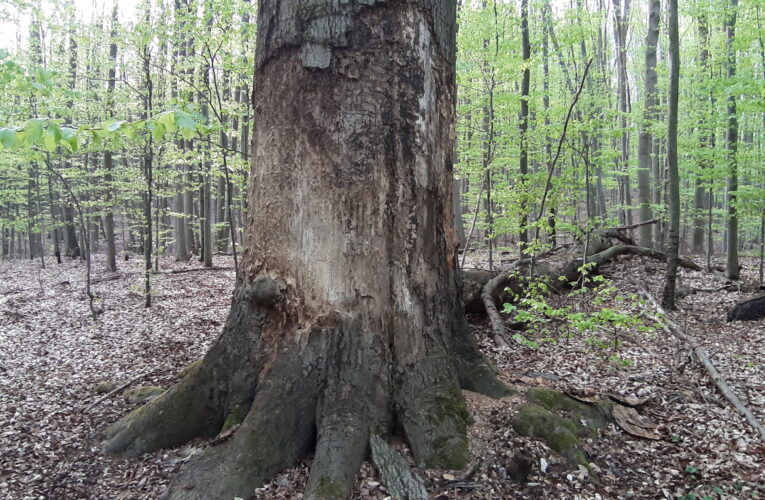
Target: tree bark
645,141
345,316
111,250
673,187
621,17
524,122
731,144
700,195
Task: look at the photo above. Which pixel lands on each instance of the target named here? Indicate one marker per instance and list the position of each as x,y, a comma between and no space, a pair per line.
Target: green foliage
583,311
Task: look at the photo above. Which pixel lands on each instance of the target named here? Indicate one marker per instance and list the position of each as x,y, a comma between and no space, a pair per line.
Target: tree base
328,393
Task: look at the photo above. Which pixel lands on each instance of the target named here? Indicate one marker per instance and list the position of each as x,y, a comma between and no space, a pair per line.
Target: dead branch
615,251
674,329
634,226
116,391
195,269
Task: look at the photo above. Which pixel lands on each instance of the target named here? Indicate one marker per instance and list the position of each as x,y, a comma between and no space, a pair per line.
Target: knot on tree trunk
265,291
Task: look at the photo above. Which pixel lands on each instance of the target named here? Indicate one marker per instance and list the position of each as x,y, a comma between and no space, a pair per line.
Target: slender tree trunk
524,121
731,145
621,17
148,172
700,195
668,299
645,141
346,317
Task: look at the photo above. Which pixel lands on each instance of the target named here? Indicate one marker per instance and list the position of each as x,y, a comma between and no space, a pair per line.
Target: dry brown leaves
52,354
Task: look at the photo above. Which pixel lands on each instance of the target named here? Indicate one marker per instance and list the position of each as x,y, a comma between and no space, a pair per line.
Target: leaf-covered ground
53,354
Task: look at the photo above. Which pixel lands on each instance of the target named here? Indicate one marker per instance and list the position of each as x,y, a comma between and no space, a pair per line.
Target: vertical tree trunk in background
621,17
205,193
70,232
645,141
524,120
548,140
55,219
345,317
459,223
179,207
222,190
673,187
731,144
148,171
700,195
488,144
111,247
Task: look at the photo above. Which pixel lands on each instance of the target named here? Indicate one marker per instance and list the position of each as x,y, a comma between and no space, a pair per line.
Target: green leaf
157,130
115,125
49,141
34,130
167,119
69,135
186,123
8,137
44,77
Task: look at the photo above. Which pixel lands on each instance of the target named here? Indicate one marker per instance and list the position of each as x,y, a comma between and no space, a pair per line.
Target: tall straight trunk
205,202
206,206
93,219
524,120
148,172
673,187
111,246
548,140
700,195
488,146
645,141
180,221
621,15
55,219
731,145
346,318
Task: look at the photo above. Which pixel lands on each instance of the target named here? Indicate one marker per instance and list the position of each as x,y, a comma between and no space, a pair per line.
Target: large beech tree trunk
346,317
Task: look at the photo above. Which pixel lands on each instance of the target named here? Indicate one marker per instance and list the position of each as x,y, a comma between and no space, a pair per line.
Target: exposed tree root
278,430
340,387
395,472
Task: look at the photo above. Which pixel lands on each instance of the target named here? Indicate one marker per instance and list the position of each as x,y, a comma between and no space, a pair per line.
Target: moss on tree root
561,422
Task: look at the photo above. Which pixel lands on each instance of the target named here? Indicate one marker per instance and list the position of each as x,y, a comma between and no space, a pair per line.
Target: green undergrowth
592,306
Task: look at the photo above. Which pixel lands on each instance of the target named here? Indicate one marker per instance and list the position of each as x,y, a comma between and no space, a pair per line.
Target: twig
635,226
672,328
117,390
213,268
554,162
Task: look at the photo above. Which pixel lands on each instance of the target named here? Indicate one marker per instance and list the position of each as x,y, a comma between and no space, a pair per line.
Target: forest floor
53,354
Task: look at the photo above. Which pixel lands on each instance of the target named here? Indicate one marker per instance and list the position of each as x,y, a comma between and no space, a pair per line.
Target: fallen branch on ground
213,268
566,265
674,329
115,391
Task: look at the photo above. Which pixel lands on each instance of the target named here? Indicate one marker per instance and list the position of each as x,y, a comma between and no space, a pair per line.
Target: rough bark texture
346,317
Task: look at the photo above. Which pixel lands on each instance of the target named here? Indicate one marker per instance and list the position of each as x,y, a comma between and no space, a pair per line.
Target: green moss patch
143,394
